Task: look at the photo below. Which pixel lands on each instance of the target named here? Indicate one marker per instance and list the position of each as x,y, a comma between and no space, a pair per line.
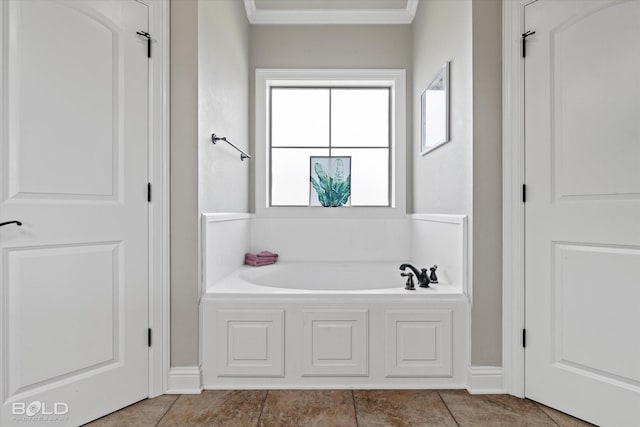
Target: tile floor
334,408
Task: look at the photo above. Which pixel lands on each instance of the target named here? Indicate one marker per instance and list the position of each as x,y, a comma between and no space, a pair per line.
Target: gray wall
486,330
330,46
184,182
461,177
464,176
209,92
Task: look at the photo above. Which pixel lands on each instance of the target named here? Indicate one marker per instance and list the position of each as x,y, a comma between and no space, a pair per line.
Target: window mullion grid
391,171
270,136
330,100
330,146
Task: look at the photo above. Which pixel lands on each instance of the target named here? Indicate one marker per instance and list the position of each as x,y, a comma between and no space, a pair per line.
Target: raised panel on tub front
250,343
334,342
418,343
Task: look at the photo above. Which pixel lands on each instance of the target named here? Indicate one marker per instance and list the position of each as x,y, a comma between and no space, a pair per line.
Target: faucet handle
410,286
432,276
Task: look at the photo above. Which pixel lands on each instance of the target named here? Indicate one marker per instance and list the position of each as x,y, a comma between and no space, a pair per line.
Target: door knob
18,223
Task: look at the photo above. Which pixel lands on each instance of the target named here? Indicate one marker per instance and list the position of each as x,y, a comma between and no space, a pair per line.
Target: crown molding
330,17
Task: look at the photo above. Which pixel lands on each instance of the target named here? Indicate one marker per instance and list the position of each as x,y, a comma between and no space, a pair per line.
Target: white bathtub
332,325
304,278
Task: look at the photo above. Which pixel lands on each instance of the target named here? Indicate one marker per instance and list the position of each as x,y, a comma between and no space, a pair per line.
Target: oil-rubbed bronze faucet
422,275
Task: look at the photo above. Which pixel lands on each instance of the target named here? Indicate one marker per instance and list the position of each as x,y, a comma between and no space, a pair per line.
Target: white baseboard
184,380
480,380
485,380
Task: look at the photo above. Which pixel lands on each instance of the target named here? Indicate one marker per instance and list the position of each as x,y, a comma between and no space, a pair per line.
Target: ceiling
330,4
310,12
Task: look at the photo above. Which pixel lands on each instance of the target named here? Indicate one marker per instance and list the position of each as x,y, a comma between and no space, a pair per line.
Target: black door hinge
148,37
524,338
524,42
524,193
149,337
149,192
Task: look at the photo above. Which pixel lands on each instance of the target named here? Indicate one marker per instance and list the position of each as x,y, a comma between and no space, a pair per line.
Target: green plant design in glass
330,181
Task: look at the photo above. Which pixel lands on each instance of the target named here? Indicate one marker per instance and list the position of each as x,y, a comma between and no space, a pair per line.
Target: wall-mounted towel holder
243,155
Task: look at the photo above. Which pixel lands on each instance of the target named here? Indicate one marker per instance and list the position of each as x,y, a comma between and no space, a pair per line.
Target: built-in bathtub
332,325
313,320
323,278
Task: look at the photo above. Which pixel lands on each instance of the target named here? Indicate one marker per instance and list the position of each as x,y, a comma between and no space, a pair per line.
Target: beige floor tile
562,419
494,410
229,408
144,413
400,408
318,408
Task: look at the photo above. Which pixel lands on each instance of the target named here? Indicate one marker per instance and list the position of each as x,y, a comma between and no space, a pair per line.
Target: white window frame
395,79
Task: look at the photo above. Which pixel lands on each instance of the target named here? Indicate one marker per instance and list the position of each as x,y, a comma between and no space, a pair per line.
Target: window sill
352,212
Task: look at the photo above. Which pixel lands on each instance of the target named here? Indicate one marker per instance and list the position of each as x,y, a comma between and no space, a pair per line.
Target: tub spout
422,276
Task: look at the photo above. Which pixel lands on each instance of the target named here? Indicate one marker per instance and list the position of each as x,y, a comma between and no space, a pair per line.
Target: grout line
538,405
449,410
355,409
262,408
168,409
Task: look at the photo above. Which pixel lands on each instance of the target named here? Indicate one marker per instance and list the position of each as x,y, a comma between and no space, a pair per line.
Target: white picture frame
434,112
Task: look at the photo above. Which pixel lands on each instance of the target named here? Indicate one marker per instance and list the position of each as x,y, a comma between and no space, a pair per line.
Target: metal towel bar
243,155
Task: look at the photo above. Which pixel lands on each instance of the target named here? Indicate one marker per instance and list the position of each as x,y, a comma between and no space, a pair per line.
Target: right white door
582,137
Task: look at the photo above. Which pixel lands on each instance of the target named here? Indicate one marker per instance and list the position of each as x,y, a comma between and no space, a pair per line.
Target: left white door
74,276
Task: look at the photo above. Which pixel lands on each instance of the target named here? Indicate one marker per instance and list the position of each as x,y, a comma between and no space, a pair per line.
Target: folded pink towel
264,255
255,263
260,259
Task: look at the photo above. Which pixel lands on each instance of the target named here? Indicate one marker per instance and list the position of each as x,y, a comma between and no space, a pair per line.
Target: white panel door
74,280
582,136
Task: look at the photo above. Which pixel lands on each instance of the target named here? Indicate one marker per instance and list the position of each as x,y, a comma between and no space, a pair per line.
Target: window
341,113
330,121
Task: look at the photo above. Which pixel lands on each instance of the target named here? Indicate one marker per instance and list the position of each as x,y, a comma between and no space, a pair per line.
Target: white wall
441,240
303,239
442,178
223,96
225,240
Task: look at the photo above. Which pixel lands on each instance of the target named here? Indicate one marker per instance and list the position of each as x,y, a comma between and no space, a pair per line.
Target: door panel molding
574,265
23,167
101,324
576,176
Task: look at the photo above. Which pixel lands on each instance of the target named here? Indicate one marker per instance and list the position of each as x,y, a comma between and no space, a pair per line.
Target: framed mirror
434,112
